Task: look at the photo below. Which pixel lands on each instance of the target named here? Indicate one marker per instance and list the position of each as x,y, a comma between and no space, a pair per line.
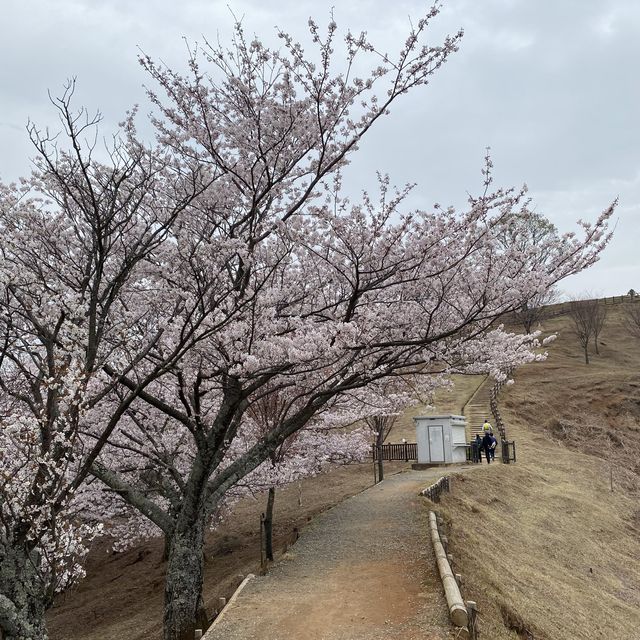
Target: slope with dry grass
547,548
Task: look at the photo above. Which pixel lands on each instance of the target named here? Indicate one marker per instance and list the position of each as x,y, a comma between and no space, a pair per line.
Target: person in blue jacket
494,446
477,448
487,441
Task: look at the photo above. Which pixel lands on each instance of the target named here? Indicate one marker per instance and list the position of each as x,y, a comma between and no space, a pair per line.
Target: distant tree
632,318
536,309
527,231
599,311
531,233
583,313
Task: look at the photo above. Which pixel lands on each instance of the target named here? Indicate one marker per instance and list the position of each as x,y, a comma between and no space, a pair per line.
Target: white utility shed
441,439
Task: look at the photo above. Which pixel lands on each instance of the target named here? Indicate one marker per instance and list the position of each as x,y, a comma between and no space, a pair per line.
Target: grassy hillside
547,548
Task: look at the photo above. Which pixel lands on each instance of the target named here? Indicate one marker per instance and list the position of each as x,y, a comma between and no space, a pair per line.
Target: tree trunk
595,342
167,548
22,597
586,354
184,610
268,524
379,443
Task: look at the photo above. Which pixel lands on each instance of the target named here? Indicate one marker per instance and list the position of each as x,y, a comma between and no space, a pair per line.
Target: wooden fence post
472,610
380,463
262,542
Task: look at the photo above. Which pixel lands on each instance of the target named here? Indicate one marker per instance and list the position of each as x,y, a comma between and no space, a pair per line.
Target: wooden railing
508,447
404,451
562,308
620,299
435,490
495,409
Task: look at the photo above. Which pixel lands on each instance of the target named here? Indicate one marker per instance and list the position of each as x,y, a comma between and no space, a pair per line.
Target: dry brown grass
546,548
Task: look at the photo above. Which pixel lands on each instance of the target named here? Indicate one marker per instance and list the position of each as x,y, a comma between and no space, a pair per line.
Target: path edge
226,607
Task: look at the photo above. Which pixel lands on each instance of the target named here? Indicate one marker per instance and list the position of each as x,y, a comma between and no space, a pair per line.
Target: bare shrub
582,314
536,309
632,318
595,435
599,311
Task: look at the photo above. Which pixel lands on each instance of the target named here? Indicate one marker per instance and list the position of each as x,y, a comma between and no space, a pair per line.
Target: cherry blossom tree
271,125
311,293
76,257
221,268
339,299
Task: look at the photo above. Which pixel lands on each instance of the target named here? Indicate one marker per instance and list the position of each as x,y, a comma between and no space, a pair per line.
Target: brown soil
122,594
364,570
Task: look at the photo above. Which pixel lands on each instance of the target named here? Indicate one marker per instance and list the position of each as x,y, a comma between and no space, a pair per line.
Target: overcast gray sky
551,86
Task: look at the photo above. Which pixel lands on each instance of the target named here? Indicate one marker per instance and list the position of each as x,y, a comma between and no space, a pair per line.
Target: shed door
436,443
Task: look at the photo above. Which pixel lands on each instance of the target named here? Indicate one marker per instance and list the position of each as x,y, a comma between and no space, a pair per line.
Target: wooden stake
262,543
472,608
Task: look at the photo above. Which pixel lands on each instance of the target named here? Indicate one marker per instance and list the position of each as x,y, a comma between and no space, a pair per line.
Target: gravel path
362,570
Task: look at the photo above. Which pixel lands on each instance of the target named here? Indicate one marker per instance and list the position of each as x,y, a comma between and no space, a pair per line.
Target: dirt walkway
362,570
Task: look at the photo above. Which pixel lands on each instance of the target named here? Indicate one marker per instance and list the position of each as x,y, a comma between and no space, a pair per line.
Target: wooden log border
433,492
228,604
457,609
